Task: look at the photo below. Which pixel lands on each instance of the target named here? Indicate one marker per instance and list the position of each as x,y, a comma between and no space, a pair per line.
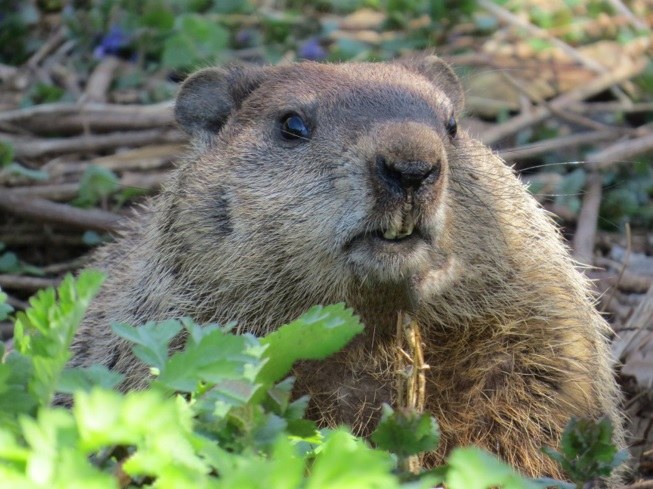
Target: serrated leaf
85,378
586,450
151,340
345,462
405,432
317,334
213,358
44,331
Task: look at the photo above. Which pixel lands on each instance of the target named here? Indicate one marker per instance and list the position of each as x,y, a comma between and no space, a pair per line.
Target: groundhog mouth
389,240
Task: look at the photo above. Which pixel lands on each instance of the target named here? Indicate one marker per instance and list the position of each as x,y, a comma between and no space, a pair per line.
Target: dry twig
46,211
585,236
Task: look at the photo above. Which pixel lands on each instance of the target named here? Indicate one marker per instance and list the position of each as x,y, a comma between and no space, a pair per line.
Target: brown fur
257,229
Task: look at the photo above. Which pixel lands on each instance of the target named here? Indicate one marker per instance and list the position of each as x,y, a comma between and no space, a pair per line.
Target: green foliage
17,17
97,183
10,263
5,309
216,413
42,336
406,433
195,40
6,153
42,93
335,326
569,192
472,468
587,451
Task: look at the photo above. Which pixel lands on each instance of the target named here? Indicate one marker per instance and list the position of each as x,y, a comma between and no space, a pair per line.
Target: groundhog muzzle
322,183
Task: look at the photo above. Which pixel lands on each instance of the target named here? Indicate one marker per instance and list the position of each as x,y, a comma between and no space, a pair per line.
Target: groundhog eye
452,127
293,127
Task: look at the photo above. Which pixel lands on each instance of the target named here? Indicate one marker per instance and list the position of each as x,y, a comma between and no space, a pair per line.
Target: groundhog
323,183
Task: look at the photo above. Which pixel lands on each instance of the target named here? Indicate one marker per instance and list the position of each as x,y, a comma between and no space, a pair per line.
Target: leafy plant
196,40
586,450
97,183
216,414
10,263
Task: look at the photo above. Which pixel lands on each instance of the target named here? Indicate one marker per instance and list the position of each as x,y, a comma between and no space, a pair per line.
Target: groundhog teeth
390,234
406,230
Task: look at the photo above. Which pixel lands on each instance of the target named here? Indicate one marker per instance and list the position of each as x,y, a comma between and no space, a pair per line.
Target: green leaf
197,39
6,153
473,468
85,378
96,184
213,356
5,309
44,332
586,450
317,334
20,170
345,462
569,190
405,432
151,340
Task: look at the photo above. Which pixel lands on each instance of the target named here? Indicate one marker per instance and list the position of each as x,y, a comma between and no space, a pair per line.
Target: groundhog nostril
405,174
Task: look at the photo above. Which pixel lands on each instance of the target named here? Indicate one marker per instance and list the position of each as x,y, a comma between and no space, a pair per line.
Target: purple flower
114,42
311,49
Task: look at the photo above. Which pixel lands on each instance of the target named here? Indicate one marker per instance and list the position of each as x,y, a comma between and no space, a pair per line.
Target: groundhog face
342,165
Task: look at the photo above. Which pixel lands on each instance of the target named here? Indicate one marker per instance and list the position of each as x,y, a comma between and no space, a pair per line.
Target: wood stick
623,151
68,191
33,148
549,145
593,107
46,211
540,113
585,237
100,80
76,118
21,282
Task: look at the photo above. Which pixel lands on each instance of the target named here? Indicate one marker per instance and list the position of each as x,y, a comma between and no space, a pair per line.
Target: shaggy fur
257,228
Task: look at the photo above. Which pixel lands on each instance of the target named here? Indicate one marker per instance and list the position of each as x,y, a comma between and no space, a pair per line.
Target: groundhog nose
406,175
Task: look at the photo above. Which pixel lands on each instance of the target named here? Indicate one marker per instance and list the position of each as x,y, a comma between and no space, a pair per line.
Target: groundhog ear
208,97
441,75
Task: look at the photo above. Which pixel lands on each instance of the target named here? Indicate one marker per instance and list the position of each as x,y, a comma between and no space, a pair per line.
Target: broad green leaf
197,39
317,334
85,378
96,183
473,468
345,462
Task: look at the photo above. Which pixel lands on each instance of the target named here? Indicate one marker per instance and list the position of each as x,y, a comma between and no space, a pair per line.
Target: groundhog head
319,174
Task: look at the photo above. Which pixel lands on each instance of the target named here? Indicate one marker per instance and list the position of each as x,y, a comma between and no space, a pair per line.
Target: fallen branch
555,144
68,191
33,148
623,151
21,282
540,113
46,211
76,118
585,236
